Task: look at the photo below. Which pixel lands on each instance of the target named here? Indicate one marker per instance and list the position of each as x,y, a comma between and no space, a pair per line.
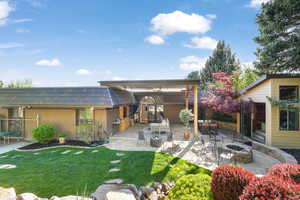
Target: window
288,93
15,113
289,120
84,116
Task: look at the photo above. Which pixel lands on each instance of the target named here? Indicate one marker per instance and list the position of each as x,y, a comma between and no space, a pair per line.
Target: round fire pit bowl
155,141
241,153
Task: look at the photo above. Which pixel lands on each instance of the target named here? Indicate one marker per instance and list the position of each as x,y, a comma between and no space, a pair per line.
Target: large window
15,113
84,116
289,120
289,93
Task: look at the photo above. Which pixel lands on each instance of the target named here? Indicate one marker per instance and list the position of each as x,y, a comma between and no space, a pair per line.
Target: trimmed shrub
228,182
43,133
191,187
287,172
269,188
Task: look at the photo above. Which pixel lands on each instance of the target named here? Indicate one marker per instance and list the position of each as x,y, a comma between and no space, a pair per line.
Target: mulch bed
294,152
54,143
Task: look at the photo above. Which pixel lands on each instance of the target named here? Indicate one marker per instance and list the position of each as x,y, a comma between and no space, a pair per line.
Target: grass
52,173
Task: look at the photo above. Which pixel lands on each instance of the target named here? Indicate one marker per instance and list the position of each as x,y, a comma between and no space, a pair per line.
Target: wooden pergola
180,84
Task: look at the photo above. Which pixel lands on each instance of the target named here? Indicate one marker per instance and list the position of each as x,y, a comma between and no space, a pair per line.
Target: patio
192,150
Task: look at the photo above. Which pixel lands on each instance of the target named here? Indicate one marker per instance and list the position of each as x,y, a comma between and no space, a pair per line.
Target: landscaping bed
54,143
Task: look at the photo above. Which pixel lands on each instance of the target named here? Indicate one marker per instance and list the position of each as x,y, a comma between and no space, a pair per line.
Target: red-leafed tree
221,95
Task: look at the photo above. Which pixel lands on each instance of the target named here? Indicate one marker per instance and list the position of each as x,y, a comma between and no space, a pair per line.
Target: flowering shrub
228,182
287,172
191,187
270,188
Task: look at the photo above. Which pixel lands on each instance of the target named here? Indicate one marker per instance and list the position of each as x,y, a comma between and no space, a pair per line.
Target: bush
43,133
191,187
267,188
287,172
62,135
228,182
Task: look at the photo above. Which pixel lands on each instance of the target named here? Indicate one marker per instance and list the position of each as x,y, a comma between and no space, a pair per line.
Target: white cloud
257,3
192,63
81,31
202,43
83,72
117,78
53,63
16,21
178,21
22,30
107,72
155,39
10,45
211,16
5,10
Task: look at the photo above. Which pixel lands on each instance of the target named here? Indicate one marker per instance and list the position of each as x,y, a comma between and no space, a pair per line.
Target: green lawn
52,173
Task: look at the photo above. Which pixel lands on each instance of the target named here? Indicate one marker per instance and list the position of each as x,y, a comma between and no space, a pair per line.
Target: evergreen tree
193,75
20,84
279,27
222,60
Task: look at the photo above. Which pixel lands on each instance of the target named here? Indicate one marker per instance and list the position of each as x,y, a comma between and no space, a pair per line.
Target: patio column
195,88
186,98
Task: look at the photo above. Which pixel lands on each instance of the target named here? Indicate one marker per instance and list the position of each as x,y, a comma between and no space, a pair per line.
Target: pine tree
222,60
279,27
193,75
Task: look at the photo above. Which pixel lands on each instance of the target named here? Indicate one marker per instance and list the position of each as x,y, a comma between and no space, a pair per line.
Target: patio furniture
225,155
155,141
208,125
141,137
164,126
10,135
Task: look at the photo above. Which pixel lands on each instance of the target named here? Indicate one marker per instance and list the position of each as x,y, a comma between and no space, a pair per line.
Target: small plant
228,182
62,135
186,116
43,133
286,172
267,188
191,187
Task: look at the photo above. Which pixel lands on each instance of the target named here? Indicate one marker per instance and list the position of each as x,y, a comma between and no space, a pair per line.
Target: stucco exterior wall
63,119
172,112
283,139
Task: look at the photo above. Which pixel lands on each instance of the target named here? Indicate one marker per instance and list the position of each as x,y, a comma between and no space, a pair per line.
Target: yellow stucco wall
172,112
283,139
63,119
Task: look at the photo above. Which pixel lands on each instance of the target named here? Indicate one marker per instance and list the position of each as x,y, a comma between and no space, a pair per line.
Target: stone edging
61,146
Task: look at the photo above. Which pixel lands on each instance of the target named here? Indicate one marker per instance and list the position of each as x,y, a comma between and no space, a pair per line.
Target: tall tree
279,27
1,84
193,75
222,60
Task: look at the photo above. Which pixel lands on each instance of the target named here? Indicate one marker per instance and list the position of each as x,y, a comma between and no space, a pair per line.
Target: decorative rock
123,194
116,181
114,170
7,193
149,193
115,161
95,151
7,166
157,186
116,192
79,152
27,196
65,152
71,197
120,154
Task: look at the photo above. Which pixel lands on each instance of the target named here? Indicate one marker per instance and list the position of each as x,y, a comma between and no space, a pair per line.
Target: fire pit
242,153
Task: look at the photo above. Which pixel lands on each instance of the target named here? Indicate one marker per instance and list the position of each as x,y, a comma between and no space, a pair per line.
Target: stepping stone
7,166
95,151
114,181
120,154
114,170
4,156
115,161
79,152
36,153
65,152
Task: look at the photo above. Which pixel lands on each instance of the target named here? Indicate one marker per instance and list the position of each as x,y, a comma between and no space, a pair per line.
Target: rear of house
271,124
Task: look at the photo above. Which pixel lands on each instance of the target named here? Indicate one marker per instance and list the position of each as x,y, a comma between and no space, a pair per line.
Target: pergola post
195,88
186,98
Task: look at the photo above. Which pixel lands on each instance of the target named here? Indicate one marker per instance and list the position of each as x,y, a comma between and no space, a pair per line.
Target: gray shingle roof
97,96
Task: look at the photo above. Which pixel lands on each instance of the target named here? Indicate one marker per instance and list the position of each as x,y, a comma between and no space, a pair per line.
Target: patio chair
141,137
225,155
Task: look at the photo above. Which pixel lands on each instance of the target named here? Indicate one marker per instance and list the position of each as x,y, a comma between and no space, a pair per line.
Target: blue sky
78,42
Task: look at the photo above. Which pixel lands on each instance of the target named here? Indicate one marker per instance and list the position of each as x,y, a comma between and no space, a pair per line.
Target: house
114,104
266,123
